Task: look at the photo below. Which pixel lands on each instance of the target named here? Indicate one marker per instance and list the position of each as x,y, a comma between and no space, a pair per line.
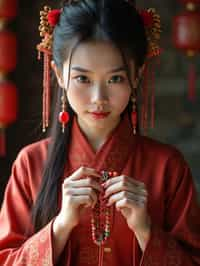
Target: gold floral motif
37,250
46,31
46,261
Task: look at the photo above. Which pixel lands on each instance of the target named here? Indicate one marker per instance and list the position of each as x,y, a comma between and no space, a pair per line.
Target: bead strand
101,232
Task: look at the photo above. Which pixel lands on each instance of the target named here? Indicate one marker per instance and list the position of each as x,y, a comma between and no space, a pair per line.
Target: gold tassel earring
63,115
134,115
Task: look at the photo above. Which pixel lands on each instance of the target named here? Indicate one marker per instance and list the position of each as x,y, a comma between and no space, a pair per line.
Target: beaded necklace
100,221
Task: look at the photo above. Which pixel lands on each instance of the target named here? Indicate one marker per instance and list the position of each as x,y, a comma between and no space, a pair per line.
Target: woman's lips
100,115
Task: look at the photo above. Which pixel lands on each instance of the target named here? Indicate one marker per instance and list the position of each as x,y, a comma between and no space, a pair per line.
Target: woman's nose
99,95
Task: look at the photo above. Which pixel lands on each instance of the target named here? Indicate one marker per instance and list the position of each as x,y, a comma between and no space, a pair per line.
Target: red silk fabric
175,214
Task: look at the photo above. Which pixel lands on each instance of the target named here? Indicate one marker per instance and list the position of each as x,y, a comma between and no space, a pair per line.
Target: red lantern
8,109
186,36
190,4
8,103
8,9
186,32
8,58
8,54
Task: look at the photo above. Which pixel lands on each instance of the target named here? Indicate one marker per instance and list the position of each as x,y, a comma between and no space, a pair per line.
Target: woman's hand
129,197
79,191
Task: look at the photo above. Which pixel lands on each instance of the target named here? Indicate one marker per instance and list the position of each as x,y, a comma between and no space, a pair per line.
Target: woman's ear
58,74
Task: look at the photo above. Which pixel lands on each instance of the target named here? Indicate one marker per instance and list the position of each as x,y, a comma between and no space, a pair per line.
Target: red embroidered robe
172,205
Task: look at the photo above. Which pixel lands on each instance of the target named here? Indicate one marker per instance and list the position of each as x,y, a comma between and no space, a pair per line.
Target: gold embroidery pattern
88,256
151,261
37,250
171,252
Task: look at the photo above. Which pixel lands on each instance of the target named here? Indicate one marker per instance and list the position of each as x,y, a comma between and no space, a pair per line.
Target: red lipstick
100,115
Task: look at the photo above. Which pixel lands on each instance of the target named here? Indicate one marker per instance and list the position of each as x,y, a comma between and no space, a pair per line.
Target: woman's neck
97,136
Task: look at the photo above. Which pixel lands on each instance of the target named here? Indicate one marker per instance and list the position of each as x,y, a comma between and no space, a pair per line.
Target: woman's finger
136,198
125,186
79,200
124,179
81,191
87,182
83,172
129,203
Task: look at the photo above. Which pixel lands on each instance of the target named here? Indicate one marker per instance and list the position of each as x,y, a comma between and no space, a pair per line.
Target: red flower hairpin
53,17
147,18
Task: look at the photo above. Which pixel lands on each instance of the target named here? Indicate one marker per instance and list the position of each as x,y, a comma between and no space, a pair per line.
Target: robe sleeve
18,246
178,242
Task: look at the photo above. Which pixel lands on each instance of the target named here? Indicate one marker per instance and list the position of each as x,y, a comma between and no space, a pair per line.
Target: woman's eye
82,79
116,79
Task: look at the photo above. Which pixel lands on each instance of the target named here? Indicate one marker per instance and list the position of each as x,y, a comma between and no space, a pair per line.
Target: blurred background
177,118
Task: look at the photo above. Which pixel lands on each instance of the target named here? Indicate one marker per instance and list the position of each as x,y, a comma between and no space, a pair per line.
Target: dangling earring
134,115
63,115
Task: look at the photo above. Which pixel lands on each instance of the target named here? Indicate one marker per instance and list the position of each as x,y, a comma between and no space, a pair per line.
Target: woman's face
98,89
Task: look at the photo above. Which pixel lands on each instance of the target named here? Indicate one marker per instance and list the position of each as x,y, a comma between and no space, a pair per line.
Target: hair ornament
48,19
53,17
152,25
147,18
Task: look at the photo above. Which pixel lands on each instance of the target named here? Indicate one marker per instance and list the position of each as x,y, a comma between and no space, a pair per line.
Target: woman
138,191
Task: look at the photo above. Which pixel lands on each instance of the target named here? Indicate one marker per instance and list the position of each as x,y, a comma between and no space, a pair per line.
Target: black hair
117,21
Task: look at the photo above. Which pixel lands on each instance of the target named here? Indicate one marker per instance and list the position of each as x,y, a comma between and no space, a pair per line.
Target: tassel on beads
63,115
134,116
46,91
148,97
48,20
101,253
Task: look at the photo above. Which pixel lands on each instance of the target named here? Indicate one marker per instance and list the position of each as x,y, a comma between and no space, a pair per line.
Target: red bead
63,117
134,118
110,174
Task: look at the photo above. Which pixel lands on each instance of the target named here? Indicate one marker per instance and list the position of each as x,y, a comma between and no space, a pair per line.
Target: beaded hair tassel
48,20
152,25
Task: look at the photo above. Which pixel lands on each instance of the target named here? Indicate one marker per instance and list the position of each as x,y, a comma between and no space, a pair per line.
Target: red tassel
48,62
153,96
101,251
145,94
134,121
46,91
192,82
2,143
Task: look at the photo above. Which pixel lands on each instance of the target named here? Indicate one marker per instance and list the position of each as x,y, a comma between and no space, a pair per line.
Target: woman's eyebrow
80,69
